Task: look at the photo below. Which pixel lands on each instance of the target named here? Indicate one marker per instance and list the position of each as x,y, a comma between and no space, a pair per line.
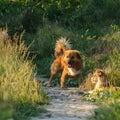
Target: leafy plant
112,106
96,96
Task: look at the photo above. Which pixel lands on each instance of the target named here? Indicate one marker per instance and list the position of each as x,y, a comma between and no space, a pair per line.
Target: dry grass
17,81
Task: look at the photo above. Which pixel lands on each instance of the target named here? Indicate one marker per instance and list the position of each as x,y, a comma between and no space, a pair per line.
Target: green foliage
113,108
107,101
79,12
102,95
44,65
96,96
6,110
28,15
20,15
112,49
25,111
46,38
11,12
114,74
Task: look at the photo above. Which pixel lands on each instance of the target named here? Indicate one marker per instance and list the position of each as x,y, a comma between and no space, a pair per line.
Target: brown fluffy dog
100,79
67,61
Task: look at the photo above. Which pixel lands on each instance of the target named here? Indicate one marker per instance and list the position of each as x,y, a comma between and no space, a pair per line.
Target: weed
112,106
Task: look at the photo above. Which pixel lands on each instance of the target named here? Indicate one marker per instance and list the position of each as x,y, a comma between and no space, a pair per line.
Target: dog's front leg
63,78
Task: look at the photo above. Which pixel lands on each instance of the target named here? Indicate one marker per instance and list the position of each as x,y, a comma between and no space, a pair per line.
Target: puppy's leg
51,77
63,78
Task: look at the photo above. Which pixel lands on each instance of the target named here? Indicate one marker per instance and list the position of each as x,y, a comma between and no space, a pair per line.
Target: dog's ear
78,55
100,73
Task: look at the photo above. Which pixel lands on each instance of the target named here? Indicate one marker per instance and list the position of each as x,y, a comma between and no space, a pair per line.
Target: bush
79,13
11,14
28,15
20,15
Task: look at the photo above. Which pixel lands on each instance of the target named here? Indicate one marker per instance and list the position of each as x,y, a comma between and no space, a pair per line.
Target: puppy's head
98,75
71,58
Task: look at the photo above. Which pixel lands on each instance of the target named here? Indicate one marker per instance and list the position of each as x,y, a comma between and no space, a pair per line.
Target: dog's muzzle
70,63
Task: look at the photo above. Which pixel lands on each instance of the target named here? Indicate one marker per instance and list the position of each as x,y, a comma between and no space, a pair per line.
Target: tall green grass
18,84
111,49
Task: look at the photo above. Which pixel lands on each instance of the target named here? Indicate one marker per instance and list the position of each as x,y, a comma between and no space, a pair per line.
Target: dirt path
66,104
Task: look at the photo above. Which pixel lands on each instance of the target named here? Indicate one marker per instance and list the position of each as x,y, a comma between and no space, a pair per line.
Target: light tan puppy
100,79
67,61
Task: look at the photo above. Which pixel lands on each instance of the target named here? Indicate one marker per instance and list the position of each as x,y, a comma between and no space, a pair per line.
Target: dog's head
98,75
71,58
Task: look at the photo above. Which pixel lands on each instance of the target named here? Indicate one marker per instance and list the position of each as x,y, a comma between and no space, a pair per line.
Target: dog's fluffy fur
100,79
67,61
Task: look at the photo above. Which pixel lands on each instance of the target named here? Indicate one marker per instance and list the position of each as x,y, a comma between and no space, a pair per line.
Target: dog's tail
61,46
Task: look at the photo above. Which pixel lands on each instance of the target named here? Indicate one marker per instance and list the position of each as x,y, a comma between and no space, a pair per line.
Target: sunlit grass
18,84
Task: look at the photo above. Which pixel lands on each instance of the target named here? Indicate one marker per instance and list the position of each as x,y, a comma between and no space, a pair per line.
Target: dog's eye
72,57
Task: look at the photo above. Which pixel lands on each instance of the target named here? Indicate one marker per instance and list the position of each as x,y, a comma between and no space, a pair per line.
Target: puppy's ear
100,73
78,55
